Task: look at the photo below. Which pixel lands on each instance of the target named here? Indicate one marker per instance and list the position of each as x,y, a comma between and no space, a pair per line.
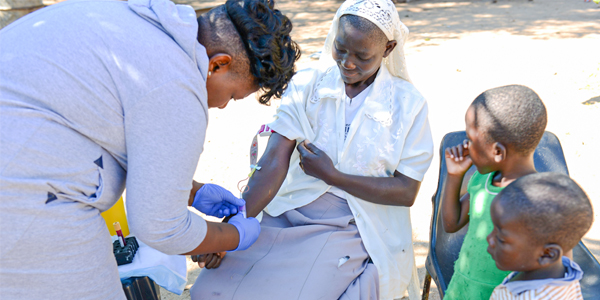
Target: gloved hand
216,201
249,229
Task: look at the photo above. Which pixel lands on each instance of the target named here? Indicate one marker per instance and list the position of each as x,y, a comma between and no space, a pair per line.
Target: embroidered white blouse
390,132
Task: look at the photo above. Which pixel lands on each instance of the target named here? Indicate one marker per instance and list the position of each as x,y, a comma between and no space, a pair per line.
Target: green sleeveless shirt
475,273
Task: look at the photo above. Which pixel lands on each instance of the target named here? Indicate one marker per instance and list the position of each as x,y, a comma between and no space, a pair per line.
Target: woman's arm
195,187
161,160
265,183
219,237
399,190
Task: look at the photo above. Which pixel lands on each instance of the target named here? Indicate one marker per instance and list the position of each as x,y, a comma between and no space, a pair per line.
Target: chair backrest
444,247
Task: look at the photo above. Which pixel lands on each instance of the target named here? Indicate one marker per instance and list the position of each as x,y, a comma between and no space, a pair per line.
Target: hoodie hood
179,22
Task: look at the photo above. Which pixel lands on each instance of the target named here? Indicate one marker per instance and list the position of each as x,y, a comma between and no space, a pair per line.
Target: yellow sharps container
116,214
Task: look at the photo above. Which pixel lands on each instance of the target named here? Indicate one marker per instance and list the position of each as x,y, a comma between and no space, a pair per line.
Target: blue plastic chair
444,247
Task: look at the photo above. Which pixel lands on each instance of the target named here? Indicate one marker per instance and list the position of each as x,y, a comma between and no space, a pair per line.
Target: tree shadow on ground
551,19
432,21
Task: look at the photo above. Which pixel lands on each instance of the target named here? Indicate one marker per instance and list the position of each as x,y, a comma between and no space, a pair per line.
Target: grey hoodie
96,96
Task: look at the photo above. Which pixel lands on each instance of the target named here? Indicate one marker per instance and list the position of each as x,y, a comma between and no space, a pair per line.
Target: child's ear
499,152
551,253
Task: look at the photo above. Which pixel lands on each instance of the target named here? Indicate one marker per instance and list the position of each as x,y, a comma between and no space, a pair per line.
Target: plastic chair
444,247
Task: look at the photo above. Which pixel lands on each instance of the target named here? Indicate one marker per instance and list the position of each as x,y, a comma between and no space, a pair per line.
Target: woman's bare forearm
219,237
399,190
264,184
195,187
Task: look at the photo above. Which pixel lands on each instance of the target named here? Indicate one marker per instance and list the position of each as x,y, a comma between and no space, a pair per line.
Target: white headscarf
381,13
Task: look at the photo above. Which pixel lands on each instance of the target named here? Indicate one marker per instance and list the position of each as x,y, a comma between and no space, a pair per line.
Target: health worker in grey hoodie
101,95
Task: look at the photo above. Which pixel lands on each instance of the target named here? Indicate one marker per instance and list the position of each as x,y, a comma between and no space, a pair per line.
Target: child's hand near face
455,209
458,161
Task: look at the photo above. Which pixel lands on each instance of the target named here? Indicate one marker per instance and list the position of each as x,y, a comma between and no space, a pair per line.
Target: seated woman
354,142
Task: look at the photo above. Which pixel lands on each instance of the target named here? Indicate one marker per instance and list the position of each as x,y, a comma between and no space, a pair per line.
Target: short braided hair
265,32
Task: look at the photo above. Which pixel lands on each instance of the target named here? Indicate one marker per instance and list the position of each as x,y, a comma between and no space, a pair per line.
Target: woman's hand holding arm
399,190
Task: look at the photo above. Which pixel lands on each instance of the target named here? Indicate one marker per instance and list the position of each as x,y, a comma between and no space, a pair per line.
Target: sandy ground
455,51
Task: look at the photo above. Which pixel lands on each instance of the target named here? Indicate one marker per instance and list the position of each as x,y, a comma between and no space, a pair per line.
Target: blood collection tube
120,234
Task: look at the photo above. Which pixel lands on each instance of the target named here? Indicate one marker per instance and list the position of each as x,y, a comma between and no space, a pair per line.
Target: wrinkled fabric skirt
312,252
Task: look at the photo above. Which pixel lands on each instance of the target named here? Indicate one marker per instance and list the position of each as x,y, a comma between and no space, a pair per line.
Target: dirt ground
456,50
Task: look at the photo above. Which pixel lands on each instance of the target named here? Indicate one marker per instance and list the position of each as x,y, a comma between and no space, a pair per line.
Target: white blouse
390,132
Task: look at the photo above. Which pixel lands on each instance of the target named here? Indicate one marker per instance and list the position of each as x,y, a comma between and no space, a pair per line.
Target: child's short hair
513,115
551,206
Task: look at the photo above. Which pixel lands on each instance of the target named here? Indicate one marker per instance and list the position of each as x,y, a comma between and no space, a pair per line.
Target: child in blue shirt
538,218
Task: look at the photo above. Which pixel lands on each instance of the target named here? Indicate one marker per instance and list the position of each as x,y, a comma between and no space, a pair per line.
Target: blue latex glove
216,201
249,229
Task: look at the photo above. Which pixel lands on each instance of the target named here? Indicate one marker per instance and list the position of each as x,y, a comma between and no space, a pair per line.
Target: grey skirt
312,252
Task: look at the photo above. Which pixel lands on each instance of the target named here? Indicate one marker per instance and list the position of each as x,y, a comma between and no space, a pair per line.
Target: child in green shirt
504,126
